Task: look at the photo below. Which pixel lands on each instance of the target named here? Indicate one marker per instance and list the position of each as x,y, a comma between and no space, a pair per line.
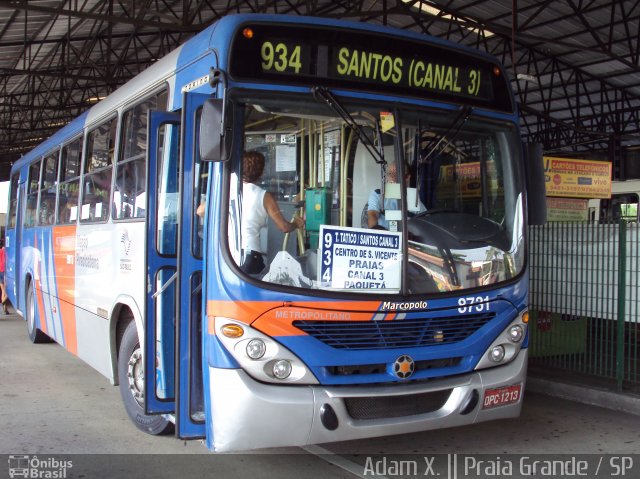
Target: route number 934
473,304
280,57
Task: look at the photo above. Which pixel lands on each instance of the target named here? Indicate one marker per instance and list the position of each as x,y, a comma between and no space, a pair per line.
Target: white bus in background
622,204
576,273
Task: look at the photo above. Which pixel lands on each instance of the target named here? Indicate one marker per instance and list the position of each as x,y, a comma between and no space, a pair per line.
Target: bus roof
213,40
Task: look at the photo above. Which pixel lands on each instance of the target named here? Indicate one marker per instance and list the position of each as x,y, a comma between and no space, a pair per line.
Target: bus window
196,397
168,190
13,200
69,182
50,172
32,195
46,214
129,196
200,176
96,190
621,206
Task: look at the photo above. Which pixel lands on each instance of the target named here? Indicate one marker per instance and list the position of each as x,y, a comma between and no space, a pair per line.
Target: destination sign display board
360,259
312,55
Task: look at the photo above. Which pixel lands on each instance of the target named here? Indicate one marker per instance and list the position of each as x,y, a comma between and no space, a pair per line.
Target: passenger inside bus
30,211
47,210
257,206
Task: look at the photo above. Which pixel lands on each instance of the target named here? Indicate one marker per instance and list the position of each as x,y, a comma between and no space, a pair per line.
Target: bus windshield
394,199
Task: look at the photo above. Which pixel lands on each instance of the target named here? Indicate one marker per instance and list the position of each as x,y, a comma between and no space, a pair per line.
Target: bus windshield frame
436,245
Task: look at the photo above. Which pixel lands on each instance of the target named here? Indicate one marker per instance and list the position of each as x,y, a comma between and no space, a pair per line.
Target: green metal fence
584,299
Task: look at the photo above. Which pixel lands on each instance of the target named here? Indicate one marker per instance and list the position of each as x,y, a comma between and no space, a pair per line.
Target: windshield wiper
434,211
322,93
449,135
460,120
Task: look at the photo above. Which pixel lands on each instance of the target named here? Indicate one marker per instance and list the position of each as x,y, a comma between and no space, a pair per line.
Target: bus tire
131,379
35,335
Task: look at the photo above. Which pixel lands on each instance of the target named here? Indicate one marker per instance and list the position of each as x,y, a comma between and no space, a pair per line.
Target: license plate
501,396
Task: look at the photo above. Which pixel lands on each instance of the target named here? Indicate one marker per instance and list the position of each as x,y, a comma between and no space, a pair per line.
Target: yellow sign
387,121
571,178
464,179
567,209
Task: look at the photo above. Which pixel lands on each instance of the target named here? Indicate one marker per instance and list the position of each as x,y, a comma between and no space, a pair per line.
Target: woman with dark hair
257,206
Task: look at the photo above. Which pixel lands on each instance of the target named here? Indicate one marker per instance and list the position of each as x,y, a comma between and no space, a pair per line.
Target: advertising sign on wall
567,209
571,178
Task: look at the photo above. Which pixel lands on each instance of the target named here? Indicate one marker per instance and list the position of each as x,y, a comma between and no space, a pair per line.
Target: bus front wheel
131,379
35,335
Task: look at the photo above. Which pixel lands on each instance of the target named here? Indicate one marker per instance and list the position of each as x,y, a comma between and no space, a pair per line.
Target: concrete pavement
53,403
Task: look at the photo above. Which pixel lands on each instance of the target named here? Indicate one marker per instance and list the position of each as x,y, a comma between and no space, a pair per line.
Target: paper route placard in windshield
360,259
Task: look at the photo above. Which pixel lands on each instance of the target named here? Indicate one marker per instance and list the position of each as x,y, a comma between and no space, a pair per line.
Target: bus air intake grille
380,407
382,367
404,333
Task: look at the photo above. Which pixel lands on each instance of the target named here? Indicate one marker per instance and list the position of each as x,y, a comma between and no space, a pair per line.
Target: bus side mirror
535,182
215,138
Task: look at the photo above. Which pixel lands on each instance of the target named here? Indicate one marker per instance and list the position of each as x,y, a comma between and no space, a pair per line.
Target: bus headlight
496,354
256,348
260,356
516,333
507,345
282,369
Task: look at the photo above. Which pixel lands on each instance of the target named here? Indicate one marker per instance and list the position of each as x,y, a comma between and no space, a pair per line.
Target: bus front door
13,238
163,208
174,270
190,416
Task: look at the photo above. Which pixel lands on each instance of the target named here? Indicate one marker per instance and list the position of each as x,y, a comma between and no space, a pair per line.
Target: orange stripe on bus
276,318
249,311
280,322
243,311
64,253
41,314
37,286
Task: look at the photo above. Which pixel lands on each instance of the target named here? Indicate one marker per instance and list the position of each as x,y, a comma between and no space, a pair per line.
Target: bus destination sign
366,61
370,66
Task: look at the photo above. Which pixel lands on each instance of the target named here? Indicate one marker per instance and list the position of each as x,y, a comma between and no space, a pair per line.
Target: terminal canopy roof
573,64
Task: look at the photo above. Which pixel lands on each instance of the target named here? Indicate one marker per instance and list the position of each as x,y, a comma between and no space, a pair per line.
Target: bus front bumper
246,414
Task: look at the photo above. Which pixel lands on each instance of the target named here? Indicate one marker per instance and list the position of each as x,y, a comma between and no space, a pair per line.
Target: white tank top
254,216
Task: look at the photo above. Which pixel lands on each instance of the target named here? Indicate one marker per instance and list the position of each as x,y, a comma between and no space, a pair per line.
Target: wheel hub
135,376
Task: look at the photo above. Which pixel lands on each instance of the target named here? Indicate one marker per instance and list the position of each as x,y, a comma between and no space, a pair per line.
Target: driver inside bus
257,206
375,210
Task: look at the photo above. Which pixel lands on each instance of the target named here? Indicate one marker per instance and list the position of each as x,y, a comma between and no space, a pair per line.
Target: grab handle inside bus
214,141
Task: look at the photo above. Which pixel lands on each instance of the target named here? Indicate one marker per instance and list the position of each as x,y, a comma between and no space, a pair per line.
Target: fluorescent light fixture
430,9
526,77
95,99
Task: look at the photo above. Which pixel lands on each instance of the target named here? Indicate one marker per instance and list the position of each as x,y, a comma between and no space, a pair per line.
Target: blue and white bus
348,331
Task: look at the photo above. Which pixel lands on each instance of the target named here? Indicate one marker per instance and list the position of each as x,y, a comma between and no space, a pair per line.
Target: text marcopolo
403,306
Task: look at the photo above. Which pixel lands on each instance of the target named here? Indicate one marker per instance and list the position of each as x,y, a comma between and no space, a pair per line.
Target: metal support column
622,297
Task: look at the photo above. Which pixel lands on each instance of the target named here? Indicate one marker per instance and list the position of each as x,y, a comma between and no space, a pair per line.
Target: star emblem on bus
404,366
